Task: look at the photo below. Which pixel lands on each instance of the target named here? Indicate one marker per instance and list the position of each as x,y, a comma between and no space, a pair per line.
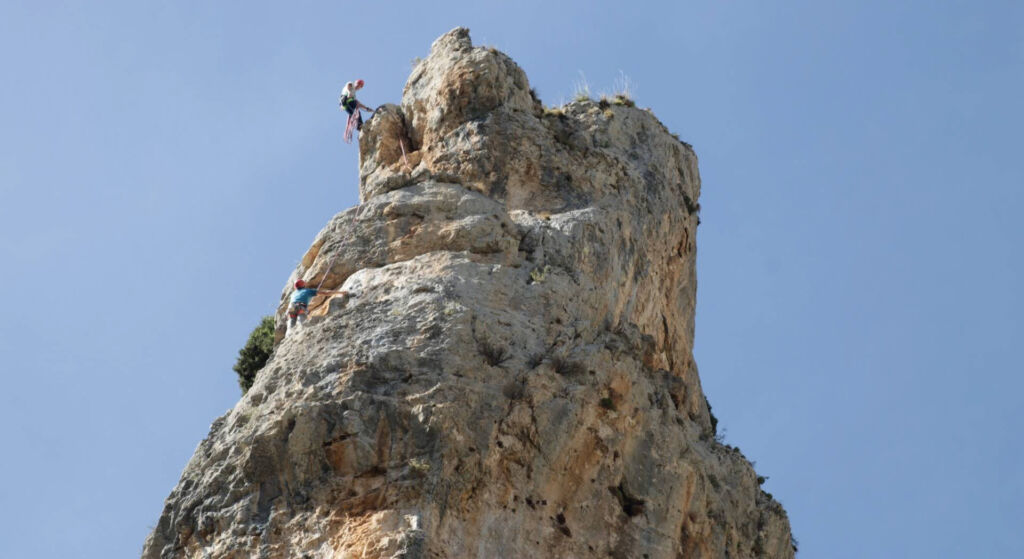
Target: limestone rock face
513,376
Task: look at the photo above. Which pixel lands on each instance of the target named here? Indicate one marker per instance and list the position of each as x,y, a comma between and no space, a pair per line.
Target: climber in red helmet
300,301
352,106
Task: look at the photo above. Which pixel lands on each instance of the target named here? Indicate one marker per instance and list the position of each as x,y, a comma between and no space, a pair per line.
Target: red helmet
299,284
359,83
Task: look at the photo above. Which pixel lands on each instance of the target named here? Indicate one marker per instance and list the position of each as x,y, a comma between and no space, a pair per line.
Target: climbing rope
351,125
401,142
328,271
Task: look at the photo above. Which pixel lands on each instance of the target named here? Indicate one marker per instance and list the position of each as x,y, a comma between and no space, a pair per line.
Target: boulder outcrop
514,375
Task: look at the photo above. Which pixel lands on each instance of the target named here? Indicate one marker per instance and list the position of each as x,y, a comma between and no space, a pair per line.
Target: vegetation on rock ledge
255,354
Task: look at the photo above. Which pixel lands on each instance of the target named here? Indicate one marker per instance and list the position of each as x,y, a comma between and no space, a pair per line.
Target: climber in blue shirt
300,301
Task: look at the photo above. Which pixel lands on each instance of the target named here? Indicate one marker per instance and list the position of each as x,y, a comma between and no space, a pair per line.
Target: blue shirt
303,295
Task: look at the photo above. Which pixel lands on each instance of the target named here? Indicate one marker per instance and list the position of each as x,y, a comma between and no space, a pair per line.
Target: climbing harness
297,309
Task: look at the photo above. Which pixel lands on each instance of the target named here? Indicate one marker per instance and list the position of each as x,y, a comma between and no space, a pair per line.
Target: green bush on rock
255,354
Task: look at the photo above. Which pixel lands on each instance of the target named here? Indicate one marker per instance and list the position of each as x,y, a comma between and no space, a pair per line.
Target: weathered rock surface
514,377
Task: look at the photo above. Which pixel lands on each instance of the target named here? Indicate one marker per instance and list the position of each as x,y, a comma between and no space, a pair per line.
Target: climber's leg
296,316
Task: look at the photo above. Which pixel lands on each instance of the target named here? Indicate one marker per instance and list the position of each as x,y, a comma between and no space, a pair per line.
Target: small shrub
720,438
514,390
494,354
607,403
714,420
254,355
419,466
538,275
565,366
624,87
582,92
623,101
534,360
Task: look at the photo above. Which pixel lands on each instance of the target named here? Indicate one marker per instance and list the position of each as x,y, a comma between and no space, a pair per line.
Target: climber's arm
330,292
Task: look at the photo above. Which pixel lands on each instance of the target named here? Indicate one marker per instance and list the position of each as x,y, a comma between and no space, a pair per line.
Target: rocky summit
513,375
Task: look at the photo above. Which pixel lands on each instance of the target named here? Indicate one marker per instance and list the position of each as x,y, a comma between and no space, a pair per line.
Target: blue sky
163,166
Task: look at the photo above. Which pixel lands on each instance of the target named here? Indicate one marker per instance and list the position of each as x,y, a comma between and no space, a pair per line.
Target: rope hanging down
328,271
351,125
401,142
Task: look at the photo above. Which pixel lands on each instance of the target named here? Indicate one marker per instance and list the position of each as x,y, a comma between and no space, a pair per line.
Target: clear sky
164,165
